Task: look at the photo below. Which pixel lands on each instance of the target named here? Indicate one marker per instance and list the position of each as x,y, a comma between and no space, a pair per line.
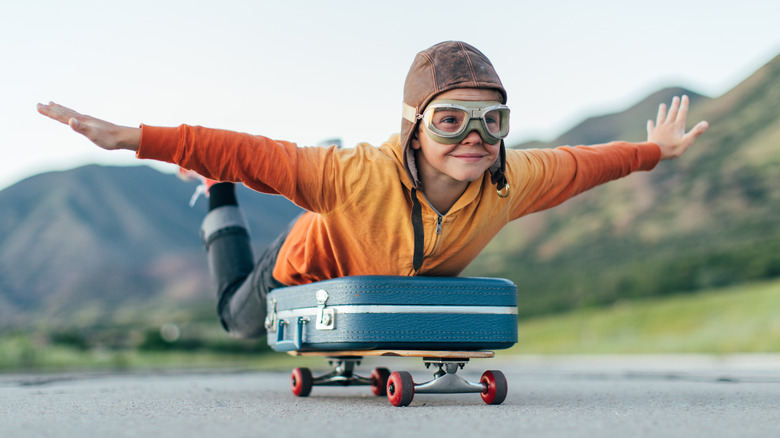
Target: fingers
77,121
671,117
697,130
700,127
58,112
661,117
682,115
677,112
80,123
77,125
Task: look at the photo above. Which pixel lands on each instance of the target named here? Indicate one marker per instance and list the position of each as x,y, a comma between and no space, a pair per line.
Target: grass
24,353
21,353
738,319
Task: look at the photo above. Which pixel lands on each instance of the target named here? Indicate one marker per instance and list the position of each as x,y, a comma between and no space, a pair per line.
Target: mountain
707,219
622,125
95,239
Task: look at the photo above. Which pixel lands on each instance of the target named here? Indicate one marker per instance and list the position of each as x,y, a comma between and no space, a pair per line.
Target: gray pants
242,284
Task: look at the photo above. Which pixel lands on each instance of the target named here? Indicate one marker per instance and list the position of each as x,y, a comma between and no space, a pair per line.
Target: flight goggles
450,121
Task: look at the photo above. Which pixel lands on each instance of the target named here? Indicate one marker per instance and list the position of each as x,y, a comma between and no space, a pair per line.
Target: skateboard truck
445,381
342,374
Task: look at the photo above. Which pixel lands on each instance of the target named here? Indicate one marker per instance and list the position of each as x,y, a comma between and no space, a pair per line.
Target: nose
473,137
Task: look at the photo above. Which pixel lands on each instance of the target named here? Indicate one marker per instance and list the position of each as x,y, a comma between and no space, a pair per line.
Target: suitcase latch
326,318
270,319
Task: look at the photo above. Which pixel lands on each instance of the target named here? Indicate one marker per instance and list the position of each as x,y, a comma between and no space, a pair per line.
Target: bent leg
242,285
243,312
229,251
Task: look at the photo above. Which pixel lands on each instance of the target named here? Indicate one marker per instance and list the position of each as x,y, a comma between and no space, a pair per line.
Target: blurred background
100,261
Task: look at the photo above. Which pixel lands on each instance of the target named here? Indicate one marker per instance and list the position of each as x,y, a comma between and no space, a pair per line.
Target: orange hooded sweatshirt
358,200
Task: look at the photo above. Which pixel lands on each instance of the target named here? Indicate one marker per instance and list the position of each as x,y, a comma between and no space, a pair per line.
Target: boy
421,204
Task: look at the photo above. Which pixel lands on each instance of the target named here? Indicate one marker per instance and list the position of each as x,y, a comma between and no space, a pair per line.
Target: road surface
605,396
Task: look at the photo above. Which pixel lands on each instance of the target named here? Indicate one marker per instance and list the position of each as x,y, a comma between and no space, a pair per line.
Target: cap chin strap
419,233
411,164
498,173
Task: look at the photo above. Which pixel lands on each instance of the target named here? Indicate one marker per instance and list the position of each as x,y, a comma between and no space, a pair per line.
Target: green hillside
706,220
738,319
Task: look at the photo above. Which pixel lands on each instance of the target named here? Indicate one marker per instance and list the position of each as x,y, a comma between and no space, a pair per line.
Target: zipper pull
438,225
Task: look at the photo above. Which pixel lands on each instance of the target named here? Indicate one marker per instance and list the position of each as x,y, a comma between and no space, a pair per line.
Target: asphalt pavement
568,396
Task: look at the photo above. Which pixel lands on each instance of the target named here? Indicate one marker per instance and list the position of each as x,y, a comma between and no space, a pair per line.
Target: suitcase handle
295,343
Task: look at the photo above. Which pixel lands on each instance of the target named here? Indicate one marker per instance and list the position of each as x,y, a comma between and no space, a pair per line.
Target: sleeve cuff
649,155
159,143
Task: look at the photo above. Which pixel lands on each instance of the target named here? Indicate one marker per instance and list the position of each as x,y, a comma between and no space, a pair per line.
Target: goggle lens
452,120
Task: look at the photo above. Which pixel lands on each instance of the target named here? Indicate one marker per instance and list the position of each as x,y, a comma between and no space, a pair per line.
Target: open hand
668,132
104,134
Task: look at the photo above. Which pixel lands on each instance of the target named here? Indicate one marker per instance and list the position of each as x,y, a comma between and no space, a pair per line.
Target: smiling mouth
473,157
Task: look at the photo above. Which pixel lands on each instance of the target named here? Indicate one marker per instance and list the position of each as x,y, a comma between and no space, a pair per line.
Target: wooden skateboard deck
399,353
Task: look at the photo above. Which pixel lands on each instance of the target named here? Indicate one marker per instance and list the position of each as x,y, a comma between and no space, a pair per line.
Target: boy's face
461,162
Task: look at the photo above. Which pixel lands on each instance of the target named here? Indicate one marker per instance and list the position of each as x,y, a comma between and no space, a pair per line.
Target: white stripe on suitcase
467,310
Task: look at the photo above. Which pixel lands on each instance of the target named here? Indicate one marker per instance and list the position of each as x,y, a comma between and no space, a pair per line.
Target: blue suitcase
394,313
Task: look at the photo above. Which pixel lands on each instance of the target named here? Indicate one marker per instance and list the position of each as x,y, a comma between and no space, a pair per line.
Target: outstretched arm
668,131
104,134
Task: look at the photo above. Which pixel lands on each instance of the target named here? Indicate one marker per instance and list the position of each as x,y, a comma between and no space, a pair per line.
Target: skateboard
399,387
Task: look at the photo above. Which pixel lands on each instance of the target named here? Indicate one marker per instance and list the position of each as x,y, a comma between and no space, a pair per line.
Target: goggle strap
410,113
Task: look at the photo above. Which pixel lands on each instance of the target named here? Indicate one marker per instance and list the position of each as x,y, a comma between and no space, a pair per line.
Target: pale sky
305,71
